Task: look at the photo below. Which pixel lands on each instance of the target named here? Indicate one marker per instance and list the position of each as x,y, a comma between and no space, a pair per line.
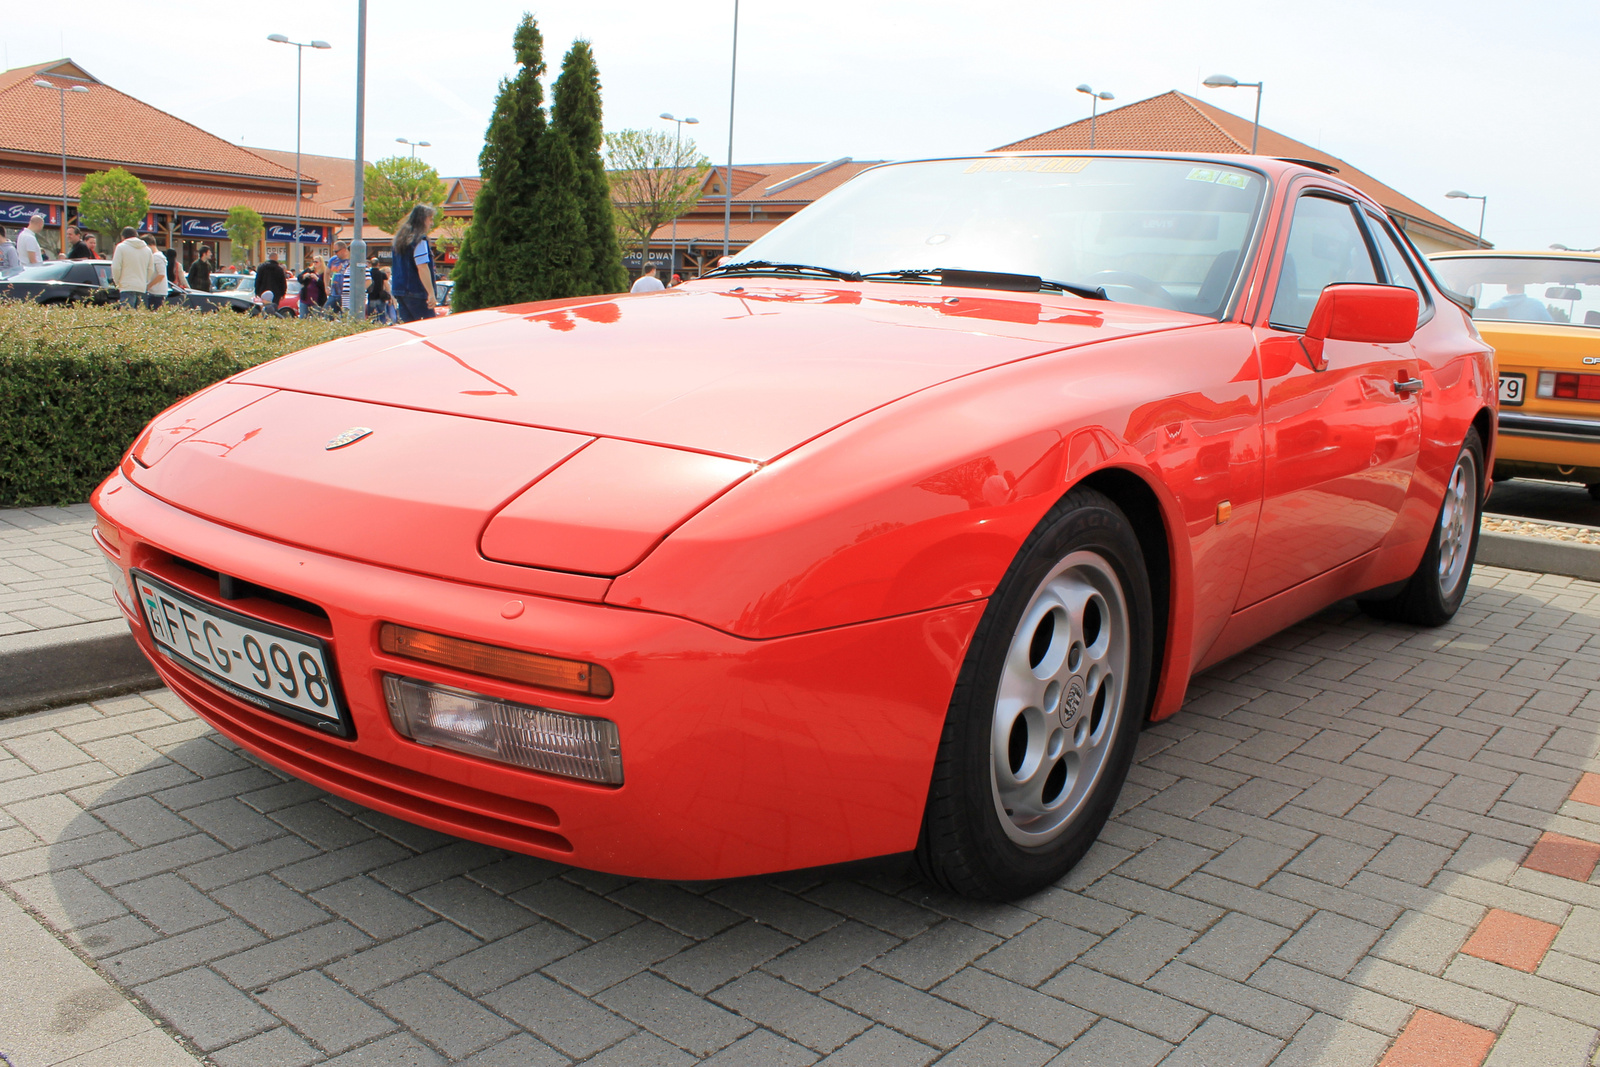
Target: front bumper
741,757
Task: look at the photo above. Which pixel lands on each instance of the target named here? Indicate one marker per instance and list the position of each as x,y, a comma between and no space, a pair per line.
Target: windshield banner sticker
1221,177
1043,166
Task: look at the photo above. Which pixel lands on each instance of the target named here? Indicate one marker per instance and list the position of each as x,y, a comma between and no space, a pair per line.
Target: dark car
61,282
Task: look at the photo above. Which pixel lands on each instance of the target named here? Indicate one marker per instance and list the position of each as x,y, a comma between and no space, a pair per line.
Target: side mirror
1356,311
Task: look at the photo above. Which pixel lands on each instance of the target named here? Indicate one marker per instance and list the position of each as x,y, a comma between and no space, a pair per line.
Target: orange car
888,535
1541,312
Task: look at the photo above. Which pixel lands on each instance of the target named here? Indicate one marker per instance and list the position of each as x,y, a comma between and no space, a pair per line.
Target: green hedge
78,383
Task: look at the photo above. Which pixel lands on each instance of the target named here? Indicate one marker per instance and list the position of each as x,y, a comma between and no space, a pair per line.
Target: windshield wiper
762,266
990,279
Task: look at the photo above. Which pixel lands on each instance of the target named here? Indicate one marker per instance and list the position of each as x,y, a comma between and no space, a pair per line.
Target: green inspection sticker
1202,174
1237,181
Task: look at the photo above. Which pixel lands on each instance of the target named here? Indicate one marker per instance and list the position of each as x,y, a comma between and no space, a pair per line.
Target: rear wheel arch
1484,423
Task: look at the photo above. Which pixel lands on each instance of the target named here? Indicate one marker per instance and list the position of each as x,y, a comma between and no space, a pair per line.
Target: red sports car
890,535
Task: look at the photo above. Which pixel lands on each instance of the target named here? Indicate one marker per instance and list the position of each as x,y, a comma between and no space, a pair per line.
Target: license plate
280,670
1513,388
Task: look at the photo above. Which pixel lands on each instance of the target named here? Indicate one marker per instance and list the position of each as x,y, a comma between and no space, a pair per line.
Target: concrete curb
1519,552
68,664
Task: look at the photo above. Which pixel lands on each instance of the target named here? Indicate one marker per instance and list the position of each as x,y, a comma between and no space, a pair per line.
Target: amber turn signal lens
109,534
529,668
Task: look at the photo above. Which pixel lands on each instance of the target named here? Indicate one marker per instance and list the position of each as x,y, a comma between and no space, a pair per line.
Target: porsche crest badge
349,437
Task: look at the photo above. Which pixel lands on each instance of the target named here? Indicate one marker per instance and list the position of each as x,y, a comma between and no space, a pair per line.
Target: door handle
1408,385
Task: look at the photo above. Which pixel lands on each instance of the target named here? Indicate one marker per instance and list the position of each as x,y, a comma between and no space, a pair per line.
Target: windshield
43,272
1167,233
1526,288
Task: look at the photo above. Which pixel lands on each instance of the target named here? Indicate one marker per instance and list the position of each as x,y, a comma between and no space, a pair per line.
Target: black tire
1433,593
971,842
1594,491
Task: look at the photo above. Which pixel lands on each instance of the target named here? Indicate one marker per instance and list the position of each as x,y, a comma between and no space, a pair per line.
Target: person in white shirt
648,282
130,268
28,241
155,293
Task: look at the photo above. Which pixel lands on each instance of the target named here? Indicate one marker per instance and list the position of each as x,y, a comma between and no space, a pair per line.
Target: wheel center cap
1071,700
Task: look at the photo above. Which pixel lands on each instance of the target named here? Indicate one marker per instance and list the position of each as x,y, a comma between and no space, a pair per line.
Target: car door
1341,440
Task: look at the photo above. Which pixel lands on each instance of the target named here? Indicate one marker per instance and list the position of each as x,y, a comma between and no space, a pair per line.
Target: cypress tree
576,113
527,240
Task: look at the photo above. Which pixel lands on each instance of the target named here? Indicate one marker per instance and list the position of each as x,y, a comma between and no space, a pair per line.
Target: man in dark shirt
270,278
77,245
200,271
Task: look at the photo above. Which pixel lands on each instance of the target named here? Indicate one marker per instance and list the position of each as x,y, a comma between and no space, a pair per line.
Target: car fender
925,502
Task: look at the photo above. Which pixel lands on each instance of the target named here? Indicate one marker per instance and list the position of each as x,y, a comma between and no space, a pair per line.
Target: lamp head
41,83
692,122
78,89
424,144
669,116
401,140
277,38
1084,88
1457,194
320,44
1559,248
1105,96
1220,81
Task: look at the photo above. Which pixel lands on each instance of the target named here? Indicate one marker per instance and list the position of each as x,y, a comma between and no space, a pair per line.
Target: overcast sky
1425,96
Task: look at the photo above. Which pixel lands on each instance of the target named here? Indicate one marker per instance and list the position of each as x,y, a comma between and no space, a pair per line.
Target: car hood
528,446
734,368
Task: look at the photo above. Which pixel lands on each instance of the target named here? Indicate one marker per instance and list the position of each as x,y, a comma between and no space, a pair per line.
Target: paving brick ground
1359,842
51,573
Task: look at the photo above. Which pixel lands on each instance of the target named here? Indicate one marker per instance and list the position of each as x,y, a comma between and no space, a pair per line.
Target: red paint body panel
749,373
806,491
741,756
602,510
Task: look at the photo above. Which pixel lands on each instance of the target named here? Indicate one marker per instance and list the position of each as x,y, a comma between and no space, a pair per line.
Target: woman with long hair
313,290
175,275
413,277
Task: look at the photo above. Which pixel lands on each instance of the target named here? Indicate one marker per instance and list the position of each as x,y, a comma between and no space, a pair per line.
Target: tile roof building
1177,122
193,177
764,194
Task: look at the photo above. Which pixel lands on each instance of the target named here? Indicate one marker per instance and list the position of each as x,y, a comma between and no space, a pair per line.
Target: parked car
246,286
887,536
61,282
224,281
1541,312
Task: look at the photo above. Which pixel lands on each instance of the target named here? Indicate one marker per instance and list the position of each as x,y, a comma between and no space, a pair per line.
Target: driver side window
1325,246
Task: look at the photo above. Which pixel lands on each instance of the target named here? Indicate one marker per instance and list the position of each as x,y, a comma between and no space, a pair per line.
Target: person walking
272,284
378,296
648,282
338,275
156,289
200,271
312,294
130,268
9,260
28,241
413,266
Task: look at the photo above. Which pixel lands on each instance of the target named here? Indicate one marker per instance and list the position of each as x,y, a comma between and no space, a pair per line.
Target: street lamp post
295,257
1483,208
1222,81
63,90
677,156
727,178
1094,108
414,145
356,275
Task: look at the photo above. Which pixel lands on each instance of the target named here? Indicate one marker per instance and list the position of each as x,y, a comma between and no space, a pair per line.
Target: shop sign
309,235
657,259
213,228
18,214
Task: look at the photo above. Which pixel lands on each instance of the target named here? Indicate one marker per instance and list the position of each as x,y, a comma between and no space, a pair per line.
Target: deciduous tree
112,199
244,228
393,186
654,179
